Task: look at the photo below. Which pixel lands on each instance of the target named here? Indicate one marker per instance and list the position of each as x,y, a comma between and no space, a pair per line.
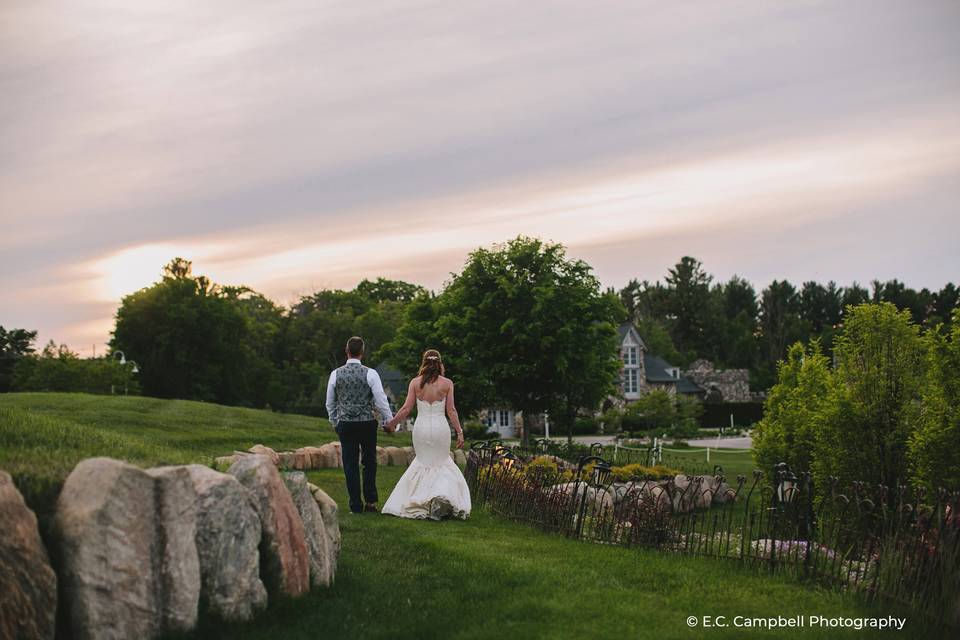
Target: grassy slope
404,578
43,435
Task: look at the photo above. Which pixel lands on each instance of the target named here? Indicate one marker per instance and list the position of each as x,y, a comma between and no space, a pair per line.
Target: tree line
522,325
688,316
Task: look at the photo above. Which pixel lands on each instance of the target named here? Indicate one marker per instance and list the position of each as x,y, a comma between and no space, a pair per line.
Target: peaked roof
657,369
627,327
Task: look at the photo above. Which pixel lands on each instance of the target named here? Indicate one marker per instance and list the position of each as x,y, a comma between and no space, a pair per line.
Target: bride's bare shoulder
446,382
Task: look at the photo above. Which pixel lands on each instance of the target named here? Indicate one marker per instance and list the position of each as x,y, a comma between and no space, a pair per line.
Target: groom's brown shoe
370,508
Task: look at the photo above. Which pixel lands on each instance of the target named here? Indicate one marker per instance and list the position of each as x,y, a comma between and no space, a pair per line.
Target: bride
432,486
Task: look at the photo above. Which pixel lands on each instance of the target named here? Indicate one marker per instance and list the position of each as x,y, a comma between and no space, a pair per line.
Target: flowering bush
658,472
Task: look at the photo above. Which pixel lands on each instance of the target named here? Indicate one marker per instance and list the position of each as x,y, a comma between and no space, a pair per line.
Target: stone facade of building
721,385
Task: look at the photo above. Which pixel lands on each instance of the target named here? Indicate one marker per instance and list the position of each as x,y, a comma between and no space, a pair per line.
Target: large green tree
869,412
523,325
187,337
691,307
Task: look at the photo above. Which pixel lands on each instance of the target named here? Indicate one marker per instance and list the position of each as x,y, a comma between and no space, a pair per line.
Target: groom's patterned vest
353,394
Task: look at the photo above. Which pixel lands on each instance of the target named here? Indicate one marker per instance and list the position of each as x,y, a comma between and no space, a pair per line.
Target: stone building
721,385
643,372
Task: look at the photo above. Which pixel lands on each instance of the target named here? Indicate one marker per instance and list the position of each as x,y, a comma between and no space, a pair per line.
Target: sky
295,145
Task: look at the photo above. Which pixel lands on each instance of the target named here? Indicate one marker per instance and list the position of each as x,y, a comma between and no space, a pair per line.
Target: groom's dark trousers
358,442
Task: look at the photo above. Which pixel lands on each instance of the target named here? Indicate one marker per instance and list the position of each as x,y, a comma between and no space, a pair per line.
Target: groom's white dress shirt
376,386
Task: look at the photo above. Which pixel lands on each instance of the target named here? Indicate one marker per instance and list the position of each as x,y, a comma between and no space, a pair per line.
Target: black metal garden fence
897,545
615,455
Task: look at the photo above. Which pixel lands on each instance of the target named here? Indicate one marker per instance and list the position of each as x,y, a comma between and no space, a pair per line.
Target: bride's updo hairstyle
431,367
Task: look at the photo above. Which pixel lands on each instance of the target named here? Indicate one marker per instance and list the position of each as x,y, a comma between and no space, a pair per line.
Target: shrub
656,411
478,431
542,467
786,432
585,426
934,447
57,368
868,416
658,472
612,420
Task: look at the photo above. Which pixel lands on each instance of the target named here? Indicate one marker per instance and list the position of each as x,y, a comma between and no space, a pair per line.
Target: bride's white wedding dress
432,486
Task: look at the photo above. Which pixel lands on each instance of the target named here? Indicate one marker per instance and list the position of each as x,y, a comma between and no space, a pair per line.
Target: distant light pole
123,361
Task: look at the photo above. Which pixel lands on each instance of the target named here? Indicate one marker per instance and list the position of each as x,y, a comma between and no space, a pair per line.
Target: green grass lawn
399,578
43,435
487,578
734,461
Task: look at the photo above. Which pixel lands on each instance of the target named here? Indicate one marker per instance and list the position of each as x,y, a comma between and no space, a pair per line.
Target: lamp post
786,483
123,361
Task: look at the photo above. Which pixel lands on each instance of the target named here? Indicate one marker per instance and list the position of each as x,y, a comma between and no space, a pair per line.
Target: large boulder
284,556
262,450
28,585
383,458
327,457
115,567
396,456
593,500
228,540
411,454
460,457
312,458
318,542
179,567
331,521
725,493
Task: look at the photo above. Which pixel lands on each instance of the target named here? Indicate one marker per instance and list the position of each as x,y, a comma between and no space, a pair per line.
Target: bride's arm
407,407
454,416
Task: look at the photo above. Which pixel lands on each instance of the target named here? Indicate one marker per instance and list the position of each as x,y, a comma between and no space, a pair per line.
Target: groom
352,393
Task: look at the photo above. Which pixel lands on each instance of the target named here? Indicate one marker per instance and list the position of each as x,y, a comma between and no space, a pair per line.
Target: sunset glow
278,150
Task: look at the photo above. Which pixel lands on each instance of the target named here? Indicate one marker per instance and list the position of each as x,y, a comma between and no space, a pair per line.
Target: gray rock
725,493
318,542
262,450
28,585
331,520
179,565
228,540
284,556
460,457
105,526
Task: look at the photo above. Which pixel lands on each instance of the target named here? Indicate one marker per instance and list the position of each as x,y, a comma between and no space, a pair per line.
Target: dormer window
630,356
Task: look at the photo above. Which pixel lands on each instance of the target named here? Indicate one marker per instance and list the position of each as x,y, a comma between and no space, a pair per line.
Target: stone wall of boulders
136,553
680,494
328,456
